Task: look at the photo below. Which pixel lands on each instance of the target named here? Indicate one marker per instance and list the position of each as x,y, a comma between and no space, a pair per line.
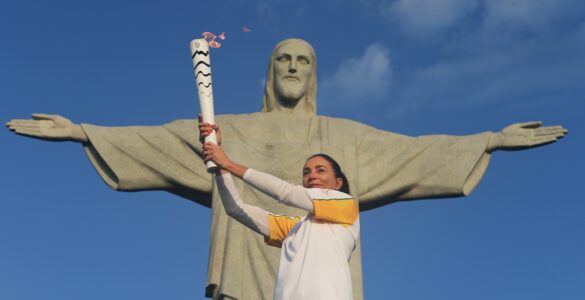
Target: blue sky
425,66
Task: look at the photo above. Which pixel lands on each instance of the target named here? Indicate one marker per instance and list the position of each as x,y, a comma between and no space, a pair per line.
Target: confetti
210,37
214,44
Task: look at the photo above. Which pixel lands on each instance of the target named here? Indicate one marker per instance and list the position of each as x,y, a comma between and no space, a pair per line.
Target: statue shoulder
345,123
220,119
237,118
346,126
180,123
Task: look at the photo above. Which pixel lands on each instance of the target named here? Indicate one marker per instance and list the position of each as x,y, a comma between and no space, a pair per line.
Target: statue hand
48,127
206,129
521,136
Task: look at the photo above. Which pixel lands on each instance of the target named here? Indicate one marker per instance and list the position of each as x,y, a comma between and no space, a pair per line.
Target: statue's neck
300,107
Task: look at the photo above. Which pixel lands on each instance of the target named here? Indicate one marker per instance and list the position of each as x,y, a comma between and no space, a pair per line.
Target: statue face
318,173
292,71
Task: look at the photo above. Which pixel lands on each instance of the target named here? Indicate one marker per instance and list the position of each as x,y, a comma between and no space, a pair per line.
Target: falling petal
208,35
221,36
246,29
214,44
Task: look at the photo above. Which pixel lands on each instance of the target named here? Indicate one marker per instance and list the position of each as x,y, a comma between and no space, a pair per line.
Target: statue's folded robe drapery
382,167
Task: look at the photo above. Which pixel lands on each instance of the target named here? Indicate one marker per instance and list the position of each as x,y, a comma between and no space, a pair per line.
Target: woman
315,248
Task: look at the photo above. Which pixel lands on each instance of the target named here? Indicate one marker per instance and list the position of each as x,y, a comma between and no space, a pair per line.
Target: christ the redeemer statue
382,167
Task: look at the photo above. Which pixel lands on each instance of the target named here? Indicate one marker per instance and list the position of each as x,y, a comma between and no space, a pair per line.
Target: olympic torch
202,69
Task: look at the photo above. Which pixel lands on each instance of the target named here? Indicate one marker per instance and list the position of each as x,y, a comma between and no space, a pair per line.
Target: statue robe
382,167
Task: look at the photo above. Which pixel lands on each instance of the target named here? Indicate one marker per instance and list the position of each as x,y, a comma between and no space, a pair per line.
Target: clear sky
414,67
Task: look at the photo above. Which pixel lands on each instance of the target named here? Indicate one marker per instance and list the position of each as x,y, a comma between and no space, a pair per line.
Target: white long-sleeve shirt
315,248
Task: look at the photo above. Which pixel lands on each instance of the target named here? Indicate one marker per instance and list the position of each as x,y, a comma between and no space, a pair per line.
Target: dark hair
336,171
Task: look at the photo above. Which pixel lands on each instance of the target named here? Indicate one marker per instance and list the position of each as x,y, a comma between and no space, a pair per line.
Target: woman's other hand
213,152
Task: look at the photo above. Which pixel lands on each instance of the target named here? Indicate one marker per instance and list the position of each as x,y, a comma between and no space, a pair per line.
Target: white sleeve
250,216
286,193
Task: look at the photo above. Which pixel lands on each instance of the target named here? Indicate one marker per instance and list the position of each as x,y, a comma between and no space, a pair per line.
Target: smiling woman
316,248
322,163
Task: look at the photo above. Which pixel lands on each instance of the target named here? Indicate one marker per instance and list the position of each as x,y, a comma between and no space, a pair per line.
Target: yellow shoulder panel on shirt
342,211
278,228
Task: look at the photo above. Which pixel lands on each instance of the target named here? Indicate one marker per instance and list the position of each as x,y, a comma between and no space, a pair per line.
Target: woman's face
318,173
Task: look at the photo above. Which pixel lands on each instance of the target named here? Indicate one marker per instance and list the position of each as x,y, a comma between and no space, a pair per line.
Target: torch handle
202,68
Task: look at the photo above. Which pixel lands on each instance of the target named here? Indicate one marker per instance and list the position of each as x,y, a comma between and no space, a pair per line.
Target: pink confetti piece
214,44
210,37
246,29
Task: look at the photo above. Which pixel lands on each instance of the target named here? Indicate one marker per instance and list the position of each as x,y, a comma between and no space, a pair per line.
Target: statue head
291,82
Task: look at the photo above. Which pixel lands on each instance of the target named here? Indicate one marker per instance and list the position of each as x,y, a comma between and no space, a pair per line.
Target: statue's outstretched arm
396,168
526,135
134,158
49,128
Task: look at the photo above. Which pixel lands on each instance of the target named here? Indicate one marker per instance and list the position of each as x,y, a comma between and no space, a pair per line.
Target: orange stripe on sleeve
278,229
342,211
